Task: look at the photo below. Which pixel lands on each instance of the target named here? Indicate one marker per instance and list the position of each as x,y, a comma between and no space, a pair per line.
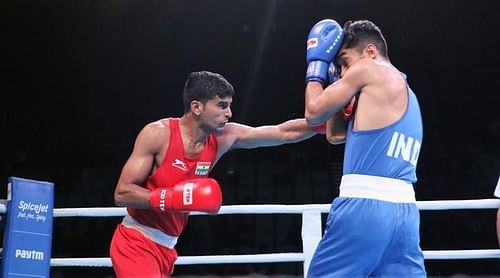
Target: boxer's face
216,113
348,57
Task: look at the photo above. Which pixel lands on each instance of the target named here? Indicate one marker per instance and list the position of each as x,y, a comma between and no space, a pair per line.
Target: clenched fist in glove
202,194
323,43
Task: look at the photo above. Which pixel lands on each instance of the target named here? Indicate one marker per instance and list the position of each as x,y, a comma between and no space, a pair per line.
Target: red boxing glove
201,194
320,129
349,107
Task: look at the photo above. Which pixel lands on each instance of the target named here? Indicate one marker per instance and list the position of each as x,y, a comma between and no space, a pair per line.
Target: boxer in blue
372,229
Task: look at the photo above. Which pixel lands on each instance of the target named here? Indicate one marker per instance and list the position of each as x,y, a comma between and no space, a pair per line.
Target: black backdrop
80,78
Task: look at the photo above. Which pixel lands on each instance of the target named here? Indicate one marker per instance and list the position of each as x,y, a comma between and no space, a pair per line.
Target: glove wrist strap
317,71
159,198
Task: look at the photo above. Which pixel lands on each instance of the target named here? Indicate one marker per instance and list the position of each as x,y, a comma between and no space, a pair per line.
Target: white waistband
151,233
379,188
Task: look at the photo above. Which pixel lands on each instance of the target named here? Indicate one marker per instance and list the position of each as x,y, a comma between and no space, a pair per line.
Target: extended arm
245,137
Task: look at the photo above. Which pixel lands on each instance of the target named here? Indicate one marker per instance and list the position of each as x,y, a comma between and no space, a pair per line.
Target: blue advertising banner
28,231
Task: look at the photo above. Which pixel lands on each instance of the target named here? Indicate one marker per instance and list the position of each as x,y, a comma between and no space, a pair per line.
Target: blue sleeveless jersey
391,151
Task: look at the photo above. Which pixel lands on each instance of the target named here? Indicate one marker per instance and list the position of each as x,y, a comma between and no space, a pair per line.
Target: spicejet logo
31,207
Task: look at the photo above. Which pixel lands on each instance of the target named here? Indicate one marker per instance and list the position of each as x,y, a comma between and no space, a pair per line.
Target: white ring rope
285,209
273,258
189,260
275,209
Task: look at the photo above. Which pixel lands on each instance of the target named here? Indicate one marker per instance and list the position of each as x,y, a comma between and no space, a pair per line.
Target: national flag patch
202,168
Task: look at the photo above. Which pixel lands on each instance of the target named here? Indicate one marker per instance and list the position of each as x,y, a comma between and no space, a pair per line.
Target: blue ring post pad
28,232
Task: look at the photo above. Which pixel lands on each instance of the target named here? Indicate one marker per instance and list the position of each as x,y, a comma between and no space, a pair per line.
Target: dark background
82,77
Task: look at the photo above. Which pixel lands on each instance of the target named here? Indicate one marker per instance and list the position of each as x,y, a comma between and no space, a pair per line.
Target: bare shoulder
230,130
364,65
233,127
154,135
231,133
361,72
157,128
374,72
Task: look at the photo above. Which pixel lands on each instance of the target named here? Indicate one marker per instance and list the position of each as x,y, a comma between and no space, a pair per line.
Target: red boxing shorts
134,255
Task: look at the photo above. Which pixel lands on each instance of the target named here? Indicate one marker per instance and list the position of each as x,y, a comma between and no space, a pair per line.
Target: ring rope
189,260
273,258
285,209
274,209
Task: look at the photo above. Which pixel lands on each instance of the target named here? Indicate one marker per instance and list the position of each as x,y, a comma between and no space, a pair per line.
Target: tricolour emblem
202,168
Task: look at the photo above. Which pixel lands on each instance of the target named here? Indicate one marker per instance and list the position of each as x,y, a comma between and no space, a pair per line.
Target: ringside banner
28,230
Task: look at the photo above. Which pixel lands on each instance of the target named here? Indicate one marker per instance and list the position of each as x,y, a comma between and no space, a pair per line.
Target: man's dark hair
357,34
204,86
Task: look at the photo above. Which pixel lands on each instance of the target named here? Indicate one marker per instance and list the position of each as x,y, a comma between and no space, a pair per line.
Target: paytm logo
405,147
29,254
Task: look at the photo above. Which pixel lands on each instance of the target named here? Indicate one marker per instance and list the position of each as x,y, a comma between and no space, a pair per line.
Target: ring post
311,234
27,238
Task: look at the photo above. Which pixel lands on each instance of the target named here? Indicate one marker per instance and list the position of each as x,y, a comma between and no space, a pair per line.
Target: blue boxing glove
323,43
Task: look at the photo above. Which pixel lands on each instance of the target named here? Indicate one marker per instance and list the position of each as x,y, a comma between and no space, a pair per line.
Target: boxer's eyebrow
340,58
224,103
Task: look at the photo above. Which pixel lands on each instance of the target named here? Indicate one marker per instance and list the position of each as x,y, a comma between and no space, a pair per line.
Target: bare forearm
312,113
295,130
132,195
336,128
291,131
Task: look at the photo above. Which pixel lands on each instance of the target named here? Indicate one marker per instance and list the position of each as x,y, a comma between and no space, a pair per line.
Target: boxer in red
166,176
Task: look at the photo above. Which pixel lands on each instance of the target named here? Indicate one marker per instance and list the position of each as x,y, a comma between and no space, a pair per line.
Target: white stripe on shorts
151,233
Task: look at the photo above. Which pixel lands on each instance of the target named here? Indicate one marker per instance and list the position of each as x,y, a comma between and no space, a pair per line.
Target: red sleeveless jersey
175,167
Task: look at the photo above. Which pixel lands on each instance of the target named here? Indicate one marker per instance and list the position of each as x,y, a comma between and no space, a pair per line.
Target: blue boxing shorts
369,233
